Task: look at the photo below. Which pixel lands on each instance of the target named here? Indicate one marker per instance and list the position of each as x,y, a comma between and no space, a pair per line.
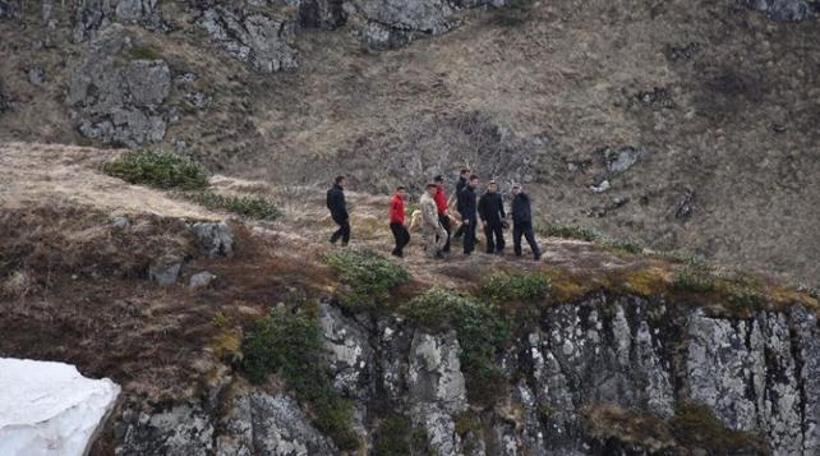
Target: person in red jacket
397,221
443,213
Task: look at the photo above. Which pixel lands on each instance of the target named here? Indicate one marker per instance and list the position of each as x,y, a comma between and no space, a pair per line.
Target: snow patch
49,409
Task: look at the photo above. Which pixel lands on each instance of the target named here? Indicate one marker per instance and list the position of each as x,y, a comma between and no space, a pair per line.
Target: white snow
49,409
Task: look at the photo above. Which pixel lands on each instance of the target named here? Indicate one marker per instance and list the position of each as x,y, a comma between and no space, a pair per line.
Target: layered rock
91,16
119,96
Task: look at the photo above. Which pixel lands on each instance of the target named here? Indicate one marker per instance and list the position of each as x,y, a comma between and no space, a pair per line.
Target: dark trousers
402,237
343,232
469,235
494,232
445,222
525,229
459,232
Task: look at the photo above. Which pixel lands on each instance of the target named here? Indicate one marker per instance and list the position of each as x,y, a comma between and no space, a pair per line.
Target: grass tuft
697,425
251,207
526,287
694,280
570,232
369,275
144,53
290,344
162,170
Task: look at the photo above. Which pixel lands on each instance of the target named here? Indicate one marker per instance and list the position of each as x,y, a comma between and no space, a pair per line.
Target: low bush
252,207
144,53
162,170
570,232
482,331
623,246
290,344
526,287
694,281
369,275
394,436
696,425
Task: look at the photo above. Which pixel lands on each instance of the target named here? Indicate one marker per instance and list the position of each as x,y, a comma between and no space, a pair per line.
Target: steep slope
297,348
715,99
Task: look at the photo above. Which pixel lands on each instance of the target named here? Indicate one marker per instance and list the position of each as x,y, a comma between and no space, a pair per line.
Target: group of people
437,222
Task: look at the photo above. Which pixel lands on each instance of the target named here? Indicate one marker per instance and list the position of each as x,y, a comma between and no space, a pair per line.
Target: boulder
165,270
49,408
91,16
215,239
395,23
324,14
120,102
201,280
182,430
785,10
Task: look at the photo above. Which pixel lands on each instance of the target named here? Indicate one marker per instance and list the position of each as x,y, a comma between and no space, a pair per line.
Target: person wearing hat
432,232
522,222
491,211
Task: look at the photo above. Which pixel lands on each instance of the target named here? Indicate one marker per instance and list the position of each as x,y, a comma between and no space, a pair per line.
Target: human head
474,181
492,186
401,191
516,189
439,180
340,181
465,172
432,189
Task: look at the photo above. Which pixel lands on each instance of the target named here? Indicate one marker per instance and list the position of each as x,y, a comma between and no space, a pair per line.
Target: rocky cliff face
758,375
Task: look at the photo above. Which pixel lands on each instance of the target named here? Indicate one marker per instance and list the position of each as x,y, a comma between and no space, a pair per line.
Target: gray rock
10,9
395,23
784,10
256,39
260,424
181,431
201,280
36,76
618,161
166,270
116,103
91,16
324,14
215,239
602,187
120,223
349,353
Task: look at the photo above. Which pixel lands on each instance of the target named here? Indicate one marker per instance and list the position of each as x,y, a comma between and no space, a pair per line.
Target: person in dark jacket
491,211
397,221
467,209
463,178
522,222
338,211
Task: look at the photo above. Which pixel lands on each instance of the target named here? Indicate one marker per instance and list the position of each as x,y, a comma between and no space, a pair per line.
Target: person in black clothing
462,183
522,222
338,211
467,209
491,211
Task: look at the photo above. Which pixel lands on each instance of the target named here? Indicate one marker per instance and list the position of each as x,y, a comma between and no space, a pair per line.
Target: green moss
696,426
370,277
290,344
144,53
251,207
482,331
570,232
162,170
526,287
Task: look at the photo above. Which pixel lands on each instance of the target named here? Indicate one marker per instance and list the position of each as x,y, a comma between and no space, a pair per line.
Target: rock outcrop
118,94
785,10
91,16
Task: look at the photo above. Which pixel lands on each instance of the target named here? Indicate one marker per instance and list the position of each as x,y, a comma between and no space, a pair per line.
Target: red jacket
441,200
397,209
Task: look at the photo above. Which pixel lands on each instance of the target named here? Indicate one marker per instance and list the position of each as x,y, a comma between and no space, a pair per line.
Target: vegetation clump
698,426
369,275
525,287
144,53
290,345
694,280
397,435
252,207
158,169
570,232
482,332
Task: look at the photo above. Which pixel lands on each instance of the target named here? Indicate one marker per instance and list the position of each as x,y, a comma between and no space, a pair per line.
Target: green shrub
251,207
570,232
623,246
527,287
158,169
290,344
369,275
393,436
482,332
694,280
697,426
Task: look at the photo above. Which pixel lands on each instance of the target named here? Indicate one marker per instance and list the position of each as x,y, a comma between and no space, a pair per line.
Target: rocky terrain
231,336
682,125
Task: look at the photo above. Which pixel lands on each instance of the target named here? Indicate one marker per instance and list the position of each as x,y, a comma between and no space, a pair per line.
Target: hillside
597,348
711,104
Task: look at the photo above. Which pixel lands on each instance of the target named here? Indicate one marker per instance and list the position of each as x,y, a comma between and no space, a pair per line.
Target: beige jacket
429,212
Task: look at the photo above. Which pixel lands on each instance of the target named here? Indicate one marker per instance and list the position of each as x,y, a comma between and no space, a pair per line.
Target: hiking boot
537,257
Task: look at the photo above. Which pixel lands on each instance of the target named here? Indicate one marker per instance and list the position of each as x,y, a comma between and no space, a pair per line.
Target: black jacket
336,203
461,185
521,211
491,207
466,203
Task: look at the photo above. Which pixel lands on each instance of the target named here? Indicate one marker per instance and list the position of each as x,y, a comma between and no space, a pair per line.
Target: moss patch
523,286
